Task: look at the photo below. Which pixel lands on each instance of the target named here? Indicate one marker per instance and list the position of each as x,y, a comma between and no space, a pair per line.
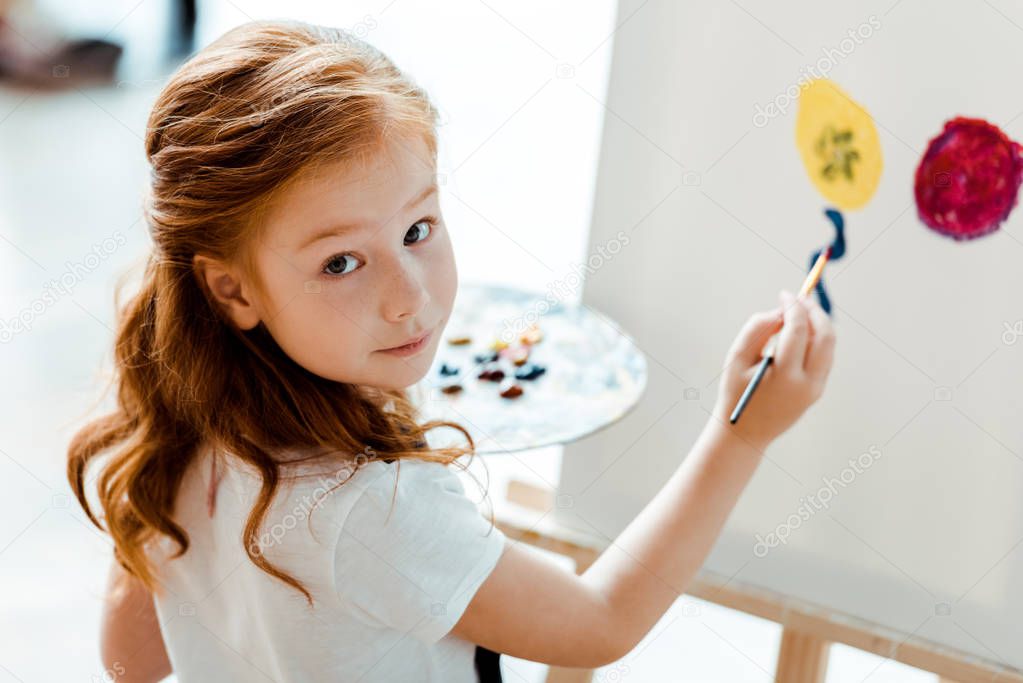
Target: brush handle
751,387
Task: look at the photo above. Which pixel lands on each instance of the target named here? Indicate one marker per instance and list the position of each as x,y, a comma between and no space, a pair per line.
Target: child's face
335,302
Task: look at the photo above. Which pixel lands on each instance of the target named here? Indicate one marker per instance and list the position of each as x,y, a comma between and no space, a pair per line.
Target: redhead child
276,511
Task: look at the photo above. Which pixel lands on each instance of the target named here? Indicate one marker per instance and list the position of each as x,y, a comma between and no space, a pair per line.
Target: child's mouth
410,349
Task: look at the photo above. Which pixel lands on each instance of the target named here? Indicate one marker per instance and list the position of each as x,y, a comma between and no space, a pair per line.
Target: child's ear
229,290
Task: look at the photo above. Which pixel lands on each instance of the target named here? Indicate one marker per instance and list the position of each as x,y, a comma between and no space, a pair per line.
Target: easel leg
803,658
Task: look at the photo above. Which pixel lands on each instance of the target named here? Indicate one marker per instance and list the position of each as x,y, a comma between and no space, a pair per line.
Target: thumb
747,347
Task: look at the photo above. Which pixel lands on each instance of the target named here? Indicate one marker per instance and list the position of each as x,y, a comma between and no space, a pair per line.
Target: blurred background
521,87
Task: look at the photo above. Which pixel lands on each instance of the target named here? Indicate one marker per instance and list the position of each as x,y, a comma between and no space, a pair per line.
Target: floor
519,152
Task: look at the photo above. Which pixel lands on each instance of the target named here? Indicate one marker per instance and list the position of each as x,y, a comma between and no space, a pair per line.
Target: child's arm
532,609
131,644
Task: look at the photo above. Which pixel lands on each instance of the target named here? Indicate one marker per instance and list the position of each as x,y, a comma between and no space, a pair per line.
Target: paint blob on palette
968,180
841,153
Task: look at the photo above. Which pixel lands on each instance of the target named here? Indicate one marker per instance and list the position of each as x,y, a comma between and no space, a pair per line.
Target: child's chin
409,373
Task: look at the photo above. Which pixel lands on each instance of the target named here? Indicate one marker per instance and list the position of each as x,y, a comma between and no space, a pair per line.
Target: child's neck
378,397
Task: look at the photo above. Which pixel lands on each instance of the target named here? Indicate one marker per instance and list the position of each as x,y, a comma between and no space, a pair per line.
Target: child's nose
405,297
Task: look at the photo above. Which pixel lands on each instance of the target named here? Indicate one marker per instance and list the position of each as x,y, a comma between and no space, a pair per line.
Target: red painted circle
968,180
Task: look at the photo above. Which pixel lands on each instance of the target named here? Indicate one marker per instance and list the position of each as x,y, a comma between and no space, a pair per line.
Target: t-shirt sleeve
413,566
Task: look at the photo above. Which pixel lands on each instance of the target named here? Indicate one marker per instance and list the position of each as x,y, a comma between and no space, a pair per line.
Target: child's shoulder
338,484
407,486
407,476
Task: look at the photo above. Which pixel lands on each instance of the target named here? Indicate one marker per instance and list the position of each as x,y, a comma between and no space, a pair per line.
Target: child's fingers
820,351
793,338
753,335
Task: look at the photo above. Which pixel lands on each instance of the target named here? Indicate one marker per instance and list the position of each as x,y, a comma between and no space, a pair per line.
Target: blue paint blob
837,251
530,372
837,246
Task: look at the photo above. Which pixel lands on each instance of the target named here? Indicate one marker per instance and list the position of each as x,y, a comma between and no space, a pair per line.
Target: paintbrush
808,284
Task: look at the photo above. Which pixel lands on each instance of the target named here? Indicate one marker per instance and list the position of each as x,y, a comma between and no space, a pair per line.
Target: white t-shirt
388,584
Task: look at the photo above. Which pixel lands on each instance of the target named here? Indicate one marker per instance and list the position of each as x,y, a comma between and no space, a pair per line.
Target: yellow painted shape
838,142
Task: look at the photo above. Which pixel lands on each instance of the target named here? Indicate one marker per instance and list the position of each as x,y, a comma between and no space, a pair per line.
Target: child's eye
337,265
428,222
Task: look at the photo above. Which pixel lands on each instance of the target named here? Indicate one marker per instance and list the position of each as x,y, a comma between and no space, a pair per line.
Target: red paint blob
968,180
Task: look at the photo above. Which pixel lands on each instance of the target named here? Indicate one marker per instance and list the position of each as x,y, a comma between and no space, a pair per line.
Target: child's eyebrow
342,229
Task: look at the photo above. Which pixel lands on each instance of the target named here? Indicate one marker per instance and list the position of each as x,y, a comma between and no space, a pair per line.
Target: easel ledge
807,631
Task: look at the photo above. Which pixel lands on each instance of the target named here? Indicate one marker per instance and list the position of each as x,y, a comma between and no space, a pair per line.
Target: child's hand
792,383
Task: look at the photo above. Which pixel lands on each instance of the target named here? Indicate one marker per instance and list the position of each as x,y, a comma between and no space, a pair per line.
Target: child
301,279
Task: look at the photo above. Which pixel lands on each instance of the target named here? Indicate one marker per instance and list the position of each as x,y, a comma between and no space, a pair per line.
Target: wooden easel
807,631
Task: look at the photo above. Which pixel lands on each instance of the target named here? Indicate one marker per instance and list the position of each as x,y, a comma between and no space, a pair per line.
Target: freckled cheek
342,300
345,316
